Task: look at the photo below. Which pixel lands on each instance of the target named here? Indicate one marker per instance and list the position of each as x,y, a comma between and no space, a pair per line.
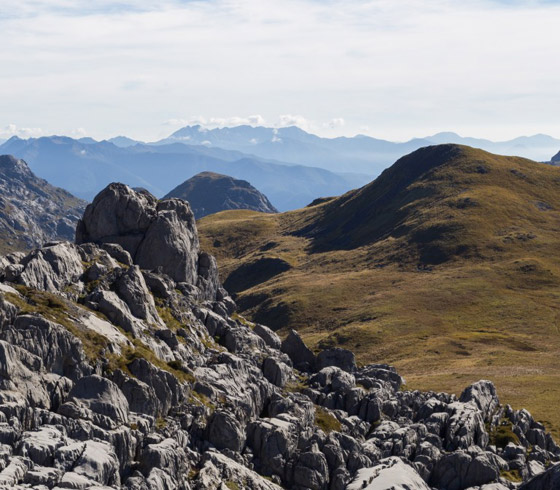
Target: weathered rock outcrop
115,376
158,235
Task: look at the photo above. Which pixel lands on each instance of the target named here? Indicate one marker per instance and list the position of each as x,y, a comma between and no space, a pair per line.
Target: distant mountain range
292,167
209,193
357,154
32,211
85,166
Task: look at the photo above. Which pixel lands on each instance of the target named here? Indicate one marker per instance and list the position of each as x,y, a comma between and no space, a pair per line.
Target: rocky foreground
124,365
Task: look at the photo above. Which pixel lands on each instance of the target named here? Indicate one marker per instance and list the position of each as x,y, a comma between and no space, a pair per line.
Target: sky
392,69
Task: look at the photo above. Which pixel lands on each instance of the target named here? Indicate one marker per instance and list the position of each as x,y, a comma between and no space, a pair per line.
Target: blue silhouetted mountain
209,193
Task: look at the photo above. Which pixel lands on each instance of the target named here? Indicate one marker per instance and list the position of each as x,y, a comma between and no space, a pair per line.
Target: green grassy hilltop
446,266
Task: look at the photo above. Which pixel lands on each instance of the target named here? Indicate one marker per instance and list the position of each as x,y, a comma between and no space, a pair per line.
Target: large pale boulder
51,268
158,235
97,399
483,395
389,473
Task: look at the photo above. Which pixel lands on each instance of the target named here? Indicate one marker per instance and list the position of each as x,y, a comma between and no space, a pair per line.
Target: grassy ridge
446,266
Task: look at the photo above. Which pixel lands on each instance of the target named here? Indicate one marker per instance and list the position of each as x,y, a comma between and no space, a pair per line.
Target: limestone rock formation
113,374
158,235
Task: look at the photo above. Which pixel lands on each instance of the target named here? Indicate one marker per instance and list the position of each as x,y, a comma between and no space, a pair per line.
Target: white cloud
13,130
337,122
286,120
217,122
78,133
401,68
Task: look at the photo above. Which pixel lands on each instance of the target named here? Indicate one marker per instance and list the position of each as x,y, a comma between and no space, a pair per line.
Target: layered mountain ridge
360,153
32,211
84,168
123,367
209,193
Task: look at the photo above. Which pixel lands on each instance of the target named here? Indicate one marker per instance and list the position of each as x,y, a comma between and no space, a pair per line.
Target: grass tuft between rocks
326,421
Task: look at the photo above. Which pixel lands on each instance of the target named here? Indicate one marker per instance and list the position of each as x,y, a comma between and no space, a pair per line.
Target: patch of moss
193,474
511,475
139,350
201,399
170,321
326,421
502,434
232,485
161,423
56,309
241,319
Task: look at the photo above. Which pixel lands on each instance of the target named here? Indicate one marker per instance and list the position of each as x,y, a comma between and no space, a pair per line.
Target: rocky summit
32,211
209,193
124,365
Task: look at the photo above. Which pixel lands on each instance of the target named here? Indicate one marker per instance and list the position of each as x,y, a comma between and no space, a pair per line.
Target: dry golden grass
453,278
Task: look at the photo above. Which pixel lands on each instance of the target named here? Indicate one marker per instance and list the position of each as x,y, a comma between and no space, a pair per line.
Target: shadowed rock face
209,193
556,158
159,235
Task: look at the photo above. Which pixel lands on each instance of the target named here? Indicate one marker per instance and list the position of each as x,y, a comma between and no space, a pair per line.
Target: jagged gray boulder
548,480
276,371
97,399
341,358
389,473
60,351
158,235
225,431
132,288
461,470
269,336
51,268
170,244
483,395
298,352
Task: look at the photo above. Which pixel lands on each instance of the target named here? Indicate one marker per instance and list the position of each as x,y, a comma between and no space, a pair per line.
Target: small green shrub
326,421
511,475
502,434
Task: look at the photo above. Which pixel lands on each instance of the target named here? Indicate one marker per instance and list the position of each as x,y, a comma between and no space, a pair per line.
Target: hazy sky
388,68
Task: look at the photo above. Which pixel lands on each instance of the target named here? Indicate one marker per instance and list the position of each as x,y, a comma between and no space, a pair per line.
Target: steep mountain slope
85,168
209,193
125,367
32,211
556,158
446,265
